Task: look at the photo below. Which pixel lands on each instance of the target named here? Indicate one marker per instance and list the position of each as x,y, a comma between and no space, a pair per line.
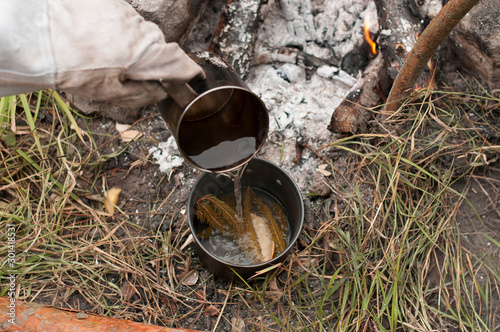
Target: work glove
97,49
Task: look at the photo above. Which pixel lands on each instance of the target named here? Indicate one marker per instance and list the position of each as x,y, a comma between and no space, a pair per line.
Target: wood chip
127,134
322,170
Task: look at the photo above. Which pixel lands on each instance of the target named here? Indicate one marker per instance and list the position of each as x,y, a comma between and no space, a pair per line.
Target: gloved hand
98,49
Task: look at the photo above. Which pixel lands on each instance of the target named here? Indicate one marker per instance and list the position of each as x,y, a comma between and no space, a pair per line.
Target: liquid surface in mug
226,154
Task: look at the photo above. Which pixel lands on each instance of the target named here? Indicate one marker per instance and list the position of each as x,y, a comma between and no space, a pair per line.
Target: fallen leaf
273,285
238,325
188,278
122,127
112,197
130,135
127,134
201,294
212,310
264,237
128,290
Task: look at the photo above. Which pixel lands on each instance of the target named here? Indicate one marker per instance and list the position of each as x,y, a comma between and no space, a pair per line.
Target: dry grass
382,253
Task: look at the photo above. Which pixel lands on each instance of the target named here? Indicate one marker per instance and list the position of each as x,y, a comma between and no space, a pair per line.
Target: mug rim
199,97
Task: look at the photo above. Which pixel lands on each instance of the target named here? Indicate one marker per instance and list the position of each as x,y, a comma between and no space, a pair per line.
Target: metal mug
218,123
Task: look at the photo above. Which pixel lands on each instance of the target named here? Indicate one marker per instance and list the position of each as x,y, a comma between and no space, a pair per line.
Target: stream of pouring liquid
237,193
226,154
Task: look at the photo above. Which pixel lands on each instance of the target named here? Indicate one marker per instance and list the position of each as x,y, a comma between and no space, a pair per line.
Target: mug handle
182,93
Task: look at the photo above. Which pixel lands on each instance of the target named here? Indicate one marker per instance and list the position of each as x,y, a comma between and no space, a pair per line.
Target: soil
479,227
300,106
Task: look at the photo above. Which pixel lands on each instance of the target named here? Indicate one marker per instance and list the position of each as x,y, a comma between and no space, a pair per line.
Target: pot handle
182,93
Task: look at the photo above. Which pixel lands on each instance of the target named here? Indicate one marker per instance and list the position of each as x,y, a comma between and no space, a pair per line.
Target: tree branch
424,48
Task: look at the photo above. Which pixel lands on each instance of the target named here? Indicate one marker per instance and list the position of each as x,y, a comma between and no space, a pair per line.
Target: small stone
81,315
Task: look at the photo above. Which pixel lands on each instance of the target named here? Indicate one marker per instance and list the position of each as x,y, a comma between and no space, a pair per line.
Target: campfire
347,36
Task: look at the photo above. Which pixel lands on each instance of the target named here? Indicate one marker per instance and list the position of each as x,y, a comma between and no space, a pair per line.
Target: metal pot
260,175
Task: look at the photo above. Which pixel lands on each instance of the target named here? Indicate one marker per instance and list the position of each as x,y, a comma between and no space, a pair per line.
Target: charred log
354,112
235,39
291,55
399,31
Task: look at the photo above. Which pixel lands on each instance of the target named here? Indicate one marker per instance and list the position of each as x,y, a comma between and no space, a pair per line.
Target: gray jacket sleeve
26,58
102,50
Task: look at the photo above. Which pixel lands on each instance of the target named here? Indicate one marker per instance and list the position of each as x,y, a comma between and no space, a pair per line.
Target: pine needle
229,200
219,214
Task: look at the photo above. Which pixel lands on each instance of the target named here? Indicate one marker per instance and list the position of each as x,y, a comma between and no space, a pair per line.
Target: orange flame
366,28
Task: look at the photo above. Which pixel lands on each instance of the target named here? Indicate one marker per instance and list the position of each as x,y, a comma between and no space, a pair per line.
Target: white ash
339,24
299,23
301,108
216,61
298,109
167,155
327,71
337,75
